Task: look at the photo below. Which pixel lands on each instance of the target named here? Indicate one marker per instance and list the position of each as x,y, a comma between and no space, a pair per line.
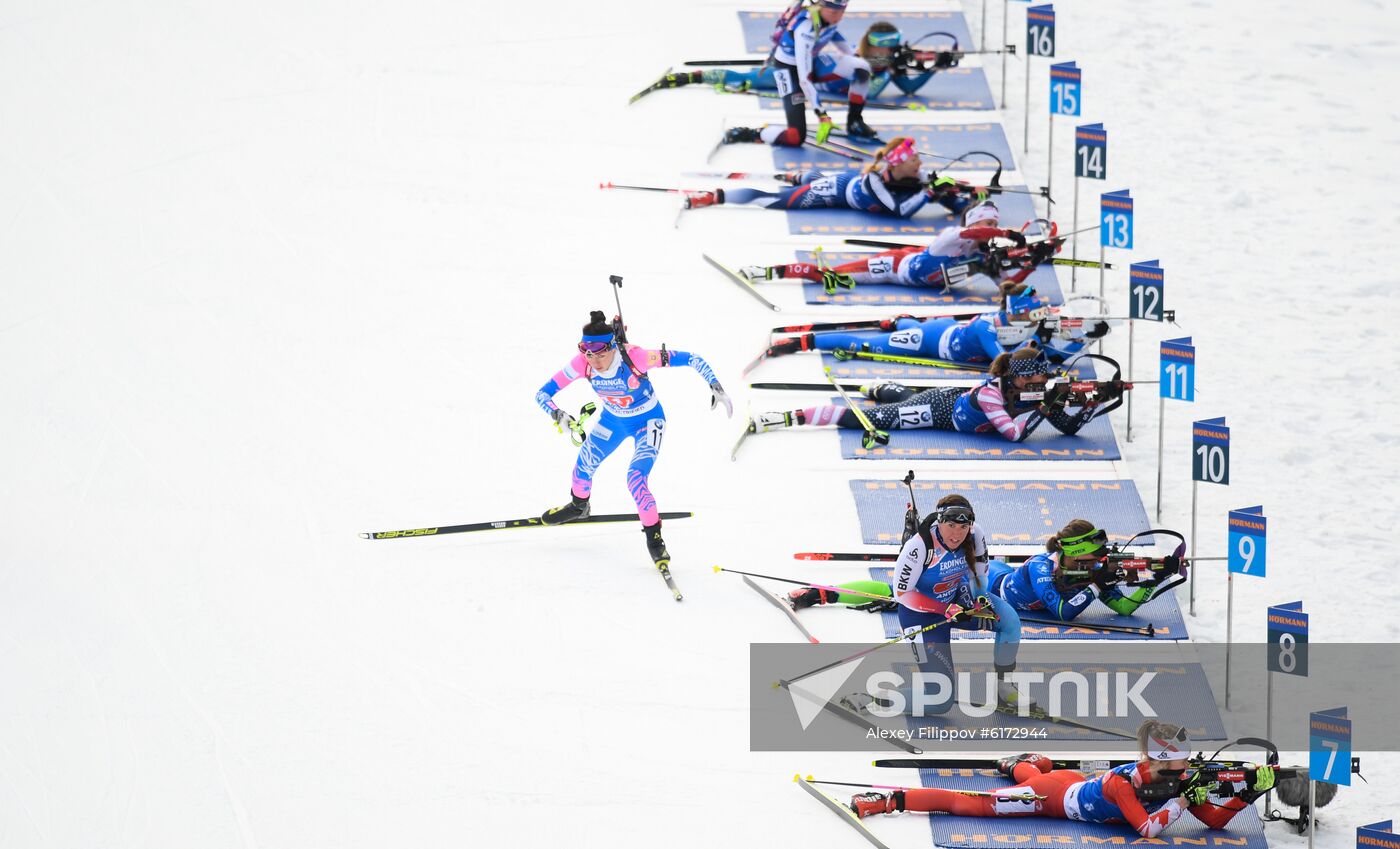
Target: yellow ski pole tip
810,778
797,776
719,568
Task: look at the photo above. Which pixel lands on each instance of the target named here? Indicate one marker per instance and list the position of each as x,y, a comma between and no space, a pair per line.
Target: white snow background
273,274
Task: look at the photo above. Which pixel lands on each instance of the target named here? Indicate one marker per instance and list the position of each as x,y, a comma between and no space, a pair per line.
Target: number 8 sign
1288,639
1248,529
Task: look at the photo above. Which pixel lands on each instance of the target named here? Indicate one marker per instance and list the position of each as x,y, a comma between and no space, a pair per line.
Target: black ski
853,717
845,813
649,89
664,567
742,282
506,524
783,606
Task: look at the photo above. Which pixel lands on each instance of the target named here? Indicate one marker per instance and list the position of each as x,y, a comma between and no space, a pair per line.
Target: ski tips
364,536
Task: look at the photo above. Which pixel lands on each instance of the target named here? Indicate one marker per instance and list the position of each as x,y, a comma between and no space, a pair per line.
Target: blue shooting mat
1245,830
980,293
949,140
1095,441
870,369
758,28
1180,690
1010,512
951,88
1162,613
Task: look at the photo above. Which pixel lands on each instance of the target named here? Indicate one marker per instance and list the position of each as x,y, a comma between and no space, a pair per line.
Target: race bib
909,340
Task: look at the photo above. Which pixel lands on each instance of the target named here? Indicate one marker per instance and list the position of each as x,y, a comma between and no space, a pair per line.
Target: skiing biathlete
941,577
631,410
997,405
795,70
895,183
954,255
1074,569
1022,318
882,47
1149,794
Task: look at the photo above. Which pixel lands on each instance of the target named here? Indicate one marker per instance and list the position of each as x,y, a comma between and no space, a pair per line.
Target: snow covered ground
278,273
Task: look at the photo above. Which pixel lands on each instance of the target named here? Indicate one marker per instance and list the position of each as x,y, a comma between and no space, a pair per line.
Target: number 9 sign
1248,529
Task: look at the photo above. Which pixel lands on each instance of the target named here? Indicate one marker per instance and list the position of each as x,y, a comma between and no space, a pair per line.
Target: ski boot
765,422
792,344
831,280
879,388
735,135
576,509
856,128
1008,695
1007,766
699,200
678,80
809,596
656,546
865,804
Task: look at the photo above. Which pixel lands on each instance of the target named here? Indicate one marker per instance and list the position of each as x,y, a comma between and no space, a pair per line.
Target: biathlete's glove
1042,252
719,396
942,186
562,419
1197,795
1263,779
946,59
831,280
823,127
1096,330
955,612
1056,396
1171,564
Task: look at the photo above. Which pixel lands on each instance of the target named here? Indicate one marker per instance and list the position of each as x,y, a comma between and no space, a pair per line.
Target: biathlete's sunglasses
595,347
955,514
1087,543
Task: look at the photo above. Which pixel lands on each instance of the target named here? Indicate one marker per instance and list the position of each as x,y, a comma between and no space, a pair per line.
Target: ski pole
1029,796
863,652
807,584
576,434
612,185
710,63
872,436
1149,631
844,355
